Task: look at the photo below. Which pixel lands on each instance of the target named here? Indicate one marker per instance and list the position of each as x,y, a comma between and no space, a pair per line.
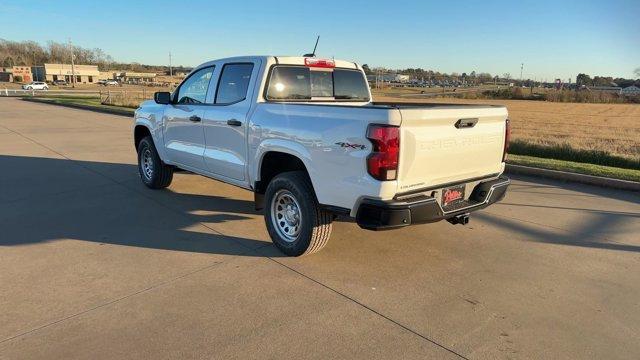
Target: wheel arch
140,131
274,161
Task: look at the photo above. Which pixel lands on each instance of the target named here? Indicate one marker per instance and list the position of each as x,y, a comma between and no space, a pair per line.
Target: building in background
390,78
179,71
6,75
107,75
130,77
84,74
630,91
402,78
22,74
37,72
611,89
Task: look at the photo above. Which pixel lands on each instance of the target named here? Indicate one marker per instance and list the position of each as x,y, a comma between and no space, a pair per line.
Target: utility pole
73,68
521,68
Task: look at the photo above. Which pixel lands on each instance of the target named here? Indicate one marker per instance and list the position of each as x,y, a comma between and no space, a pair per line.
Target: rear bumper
383,215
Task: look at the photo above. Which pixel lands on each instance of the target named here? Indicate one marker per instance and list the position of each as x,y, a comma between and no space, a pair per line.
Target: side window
194,89
233,83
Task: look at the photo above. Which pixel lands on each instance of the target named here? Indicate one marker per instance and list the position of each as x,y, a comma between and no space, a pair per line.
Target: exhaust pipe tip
462,219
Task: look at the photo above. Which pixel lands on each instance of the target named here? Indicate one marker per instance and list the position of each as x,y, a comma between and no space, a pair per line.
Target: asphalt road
94,265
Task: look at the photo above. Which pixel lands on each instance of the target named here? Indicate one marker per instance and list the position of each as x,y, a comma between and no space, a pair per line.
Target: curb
82,107
574,177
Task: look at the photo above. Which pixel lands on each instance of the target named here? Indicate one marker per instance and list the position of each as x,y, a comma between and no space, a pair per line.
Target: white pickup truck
303,134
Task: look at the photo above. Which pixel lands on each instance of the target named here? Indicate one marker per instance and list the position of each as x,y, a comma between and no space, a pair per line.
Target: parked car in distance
108,82
60,82
36,85
304,136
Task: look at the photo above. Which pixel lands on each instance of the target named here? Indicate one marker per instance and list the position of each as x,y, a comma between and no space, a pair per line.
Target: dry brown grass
614,128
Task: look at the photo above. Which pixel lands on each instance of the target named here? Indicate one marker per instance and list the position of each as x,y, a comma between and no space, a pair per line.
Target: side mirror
162,97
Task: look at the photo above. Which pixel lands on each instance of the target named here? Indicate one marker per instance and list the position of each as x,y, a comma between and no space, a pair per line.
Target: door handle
234,122
195,118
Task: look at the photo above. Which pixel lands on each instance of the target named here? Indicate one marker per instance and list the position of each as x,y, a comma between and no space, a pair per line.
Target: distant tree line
586,80
474,78
31,53
430,75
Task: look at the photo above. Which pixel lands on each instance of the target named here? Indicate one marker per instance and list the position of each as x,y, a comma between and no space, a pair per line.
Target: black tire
161,174
314,223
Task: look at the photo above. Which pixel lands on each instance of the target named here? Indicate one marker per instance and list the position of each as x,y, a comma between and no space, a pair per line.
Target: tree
584,80
31,53
637,71
622,82
366,69
485,77
602,80
506,76
473,77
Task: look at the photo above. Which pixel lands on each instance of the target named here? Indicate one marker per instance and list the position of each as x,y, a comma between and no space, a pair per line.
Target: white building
391,78
630,91
131,77
83,73
402,78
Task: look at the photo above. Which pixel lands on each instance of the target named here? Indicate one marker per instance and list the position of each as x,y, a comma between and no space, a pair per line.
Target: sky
553,38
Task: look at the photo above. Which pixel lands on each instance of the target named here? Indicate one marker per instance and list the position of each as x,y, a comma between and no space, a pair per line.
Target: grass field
612,128
86,102
576,167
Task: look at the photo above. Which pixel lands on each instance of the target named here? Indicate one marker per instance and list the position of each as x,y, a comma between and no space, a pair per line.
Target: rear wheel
154,173
296,223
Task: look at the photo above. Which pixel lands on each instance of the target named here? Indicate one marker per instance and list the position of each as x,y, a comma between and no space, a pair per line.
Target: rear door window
234,83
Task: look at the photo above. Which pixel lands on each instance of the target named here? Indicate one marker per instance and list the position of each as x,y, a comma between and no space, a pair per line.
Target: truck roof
285,60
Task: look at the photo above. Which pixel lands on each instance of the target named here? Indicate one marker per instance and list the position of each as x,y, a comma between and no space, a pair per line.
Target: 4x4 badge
351,146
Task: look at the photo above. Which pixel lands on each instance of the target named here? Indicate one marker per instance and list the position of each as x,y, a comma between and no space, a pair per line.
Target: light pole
73,68
521,67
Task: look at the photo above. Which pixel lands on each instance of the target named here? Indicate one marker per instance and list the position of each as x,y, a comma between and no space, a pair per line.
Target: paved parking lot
94,265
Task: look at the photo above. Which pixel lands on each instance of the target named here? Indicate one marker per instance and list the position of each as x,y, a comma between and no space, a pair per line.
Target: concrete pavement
95,265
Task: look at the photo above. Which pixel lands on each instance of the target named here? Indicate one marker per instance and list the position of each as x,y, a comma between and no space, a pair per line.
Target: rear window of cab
302,83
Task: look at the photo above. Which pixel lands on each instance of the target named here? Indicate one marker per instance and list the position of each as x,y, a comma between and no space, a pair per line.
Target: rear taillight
507,138
382,163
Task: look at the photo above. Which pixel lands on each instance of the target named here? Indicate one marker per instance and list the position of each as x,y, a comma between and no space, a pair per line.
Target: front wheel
154,173
296,223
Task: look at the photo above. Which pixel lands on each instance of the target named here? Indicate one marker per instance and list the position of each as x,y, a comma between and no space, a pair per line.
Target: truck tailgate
433,151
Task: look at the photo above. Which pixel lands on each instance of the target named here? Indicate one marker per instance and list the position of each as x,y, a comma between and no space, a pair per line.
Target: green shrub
17,78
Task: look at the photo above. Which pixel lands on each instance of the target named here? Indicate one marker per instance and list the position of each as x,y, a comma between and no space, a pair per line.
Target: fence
128,98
